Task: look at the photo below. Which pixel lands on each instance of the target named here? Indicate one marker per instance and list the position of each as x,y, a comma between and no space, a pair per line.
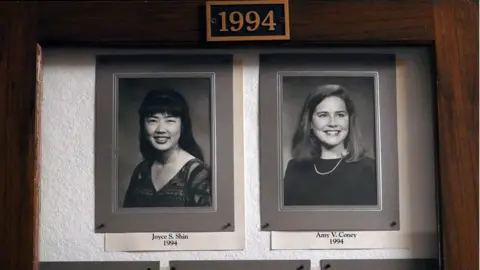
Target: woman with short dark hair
173,172
329,165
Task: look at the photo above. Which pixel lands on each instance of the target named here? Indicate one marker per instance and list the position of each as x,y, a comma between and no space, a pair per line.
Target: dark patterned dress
190,187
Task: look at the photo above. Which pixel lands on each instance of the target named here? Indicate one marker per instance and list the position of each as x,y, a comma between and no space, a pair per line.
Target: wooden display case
448,27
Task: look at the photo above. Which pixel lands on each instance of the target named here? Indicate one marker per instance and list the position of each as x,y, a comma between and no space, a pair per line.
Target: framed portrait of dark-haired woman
330,158
161,121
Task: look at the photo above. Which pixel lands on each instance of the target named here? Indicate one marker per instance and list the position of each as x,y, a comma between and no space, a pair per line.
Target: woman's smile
332,133
161,139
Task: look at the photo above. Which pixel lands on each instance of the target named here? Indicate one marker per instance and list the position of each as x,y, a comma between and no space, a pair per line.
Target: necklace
329,172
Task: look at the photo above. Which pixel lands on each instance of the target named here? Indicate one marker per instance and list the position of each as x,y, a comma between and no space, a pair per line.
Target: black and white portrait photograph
328,141
328,126
164,156
164,142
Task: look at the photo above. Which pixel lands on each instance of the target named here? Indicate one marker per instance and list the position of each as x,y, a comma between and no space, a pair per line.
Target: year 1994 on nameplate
247,20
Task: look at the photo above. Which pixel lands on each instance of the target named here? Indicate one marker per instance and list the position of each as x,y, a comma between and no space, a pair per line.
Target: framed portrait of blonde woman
328,157
161,121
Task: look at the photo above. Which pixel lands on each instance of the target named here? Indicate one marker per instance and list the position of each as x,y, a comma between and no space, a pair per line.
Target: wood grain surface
182,23
18,140
456,44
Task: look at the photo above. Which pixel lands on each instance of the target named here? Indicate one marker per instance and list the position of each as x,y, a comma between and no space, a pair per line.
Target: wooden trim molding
129,23
450,27
19,131
456,46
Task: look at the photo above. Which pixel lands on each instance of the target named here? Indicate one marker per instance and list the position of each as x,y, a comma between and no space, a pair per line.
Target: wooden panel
181,23
18,144
456,33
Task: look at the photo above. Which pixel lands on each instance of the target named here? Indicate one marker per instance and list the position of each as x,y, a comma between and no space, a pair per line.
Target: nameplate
423,243
170,241
247,20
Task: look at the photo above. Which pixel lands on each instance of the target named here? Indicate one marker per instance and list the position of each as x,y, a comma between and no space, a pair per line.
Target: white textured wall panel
67,180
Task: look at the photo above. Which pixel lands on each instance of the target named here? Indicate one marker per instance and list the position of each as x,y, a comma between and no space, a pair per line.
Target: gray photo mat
380,264
109,218
274,217
117,265
241,265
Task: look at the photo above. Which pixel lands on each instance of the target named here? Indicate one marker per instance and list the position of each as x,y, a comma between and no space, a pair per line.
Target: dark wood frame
450,27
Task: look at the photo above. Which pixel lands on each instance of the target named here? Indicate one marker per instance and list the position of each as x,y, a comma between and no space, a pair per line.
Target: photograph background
295,91
131,91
